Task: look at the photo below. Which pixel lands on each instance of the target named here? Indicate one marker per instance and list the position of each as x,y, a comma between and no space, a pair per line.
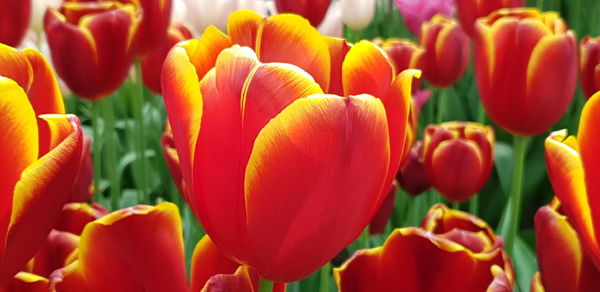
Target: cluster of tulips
291,147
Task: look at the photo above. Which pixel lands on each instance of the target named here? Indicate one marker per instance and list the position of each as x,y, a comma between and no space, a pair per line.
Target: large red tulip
313,10
526,68
451,251
41,156
468,11
564,267
15,16
573,169
92,45
287,133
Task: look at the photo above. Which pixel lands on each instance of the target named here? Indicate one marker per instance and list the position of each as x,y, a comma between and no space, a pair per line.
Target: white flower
357,14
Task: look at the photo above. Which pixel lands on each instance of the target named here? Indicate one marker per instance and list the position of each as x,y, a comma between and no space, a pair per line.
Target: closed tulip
92,45
15,16
589,54
572,165
314,10
152,64
412,177
526,69
458,158
357,14
563,264
463,249
469,10
206,82
417,12
445,51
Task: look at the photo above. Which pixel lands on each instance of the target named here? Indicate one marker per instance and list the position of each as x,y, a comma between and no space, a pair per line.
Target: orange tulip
463,249
458,158
206,82
589,52
572,165
141,248
314,10
92,45
526,68
152,64
41,159
412,177
469,10
15,16
564,267
445,51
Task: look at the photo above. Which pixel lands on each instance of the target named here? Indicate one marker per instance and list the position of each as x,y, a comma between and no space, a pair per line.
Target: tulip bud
469,10
458,158
402,53
14,21
589,52
412,177
92,45
314,10
416,12
526,68
152,64
357,14
445,53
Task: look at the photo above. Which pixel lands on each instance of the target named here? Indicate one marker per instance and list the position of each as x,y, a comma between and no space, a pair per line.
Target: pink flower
415,12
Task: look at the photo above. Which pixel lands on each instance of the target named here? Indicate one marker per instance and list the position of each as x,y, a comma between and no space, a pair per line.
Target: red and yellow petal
367,69
41,192
289,38
338,48
239,281
301,155
203,53
208,261
26,282
75,216
69,279
242,27
133,247
54,253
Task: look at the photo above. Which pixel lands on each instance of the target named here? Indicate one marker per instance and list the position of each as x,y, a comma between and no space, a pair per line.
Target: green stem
138,103
363,240
455,206
111,152
96,148
441,104
265,285
480,113
324,278
516,191
474,204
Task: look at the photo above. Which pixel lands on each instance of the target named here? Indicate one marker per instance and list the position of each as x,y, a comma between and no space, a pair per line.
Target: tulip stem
265,285
516,191
363,240
324,278
111,151
138,103
441,104
474,205
455,206
96,148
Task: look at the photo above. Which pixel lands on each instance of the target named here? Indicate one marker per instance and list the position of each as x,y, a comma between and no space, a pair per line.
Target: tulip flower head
467,255
299,98
412,177
314,10
402,53
458,158
572,165
589,54
445,51
468,11
92,45
416,12
526,68
15,16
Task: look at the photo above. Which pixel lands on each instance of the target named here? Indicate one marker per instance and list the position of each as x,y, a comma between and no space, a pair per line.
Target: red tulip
313,10
92,45
152,64
206,82
412,177
445,51
451,251
572,165
589,54
564,267
469,10
15,16
75,216
458,158
526,68
402,53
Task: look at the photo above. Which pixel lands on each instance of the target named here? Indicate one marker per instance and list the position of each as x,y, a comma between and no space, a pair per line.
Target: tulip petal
208,261
289,38
367,69
41,192
75,216
26,282
536,283
338,48
141,241
19,130
301,155
566,174
54,253
69,279
242,27
238,282
204,52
